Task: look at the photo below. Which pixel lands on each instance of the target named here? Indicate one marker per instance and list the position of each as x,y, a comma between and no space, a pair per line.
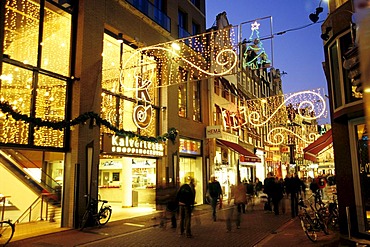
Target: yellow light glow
176,46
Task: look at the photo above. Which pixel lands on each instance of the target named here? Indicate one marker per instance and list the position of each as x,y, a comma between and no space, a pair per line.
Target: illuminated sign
190,147
142,114
214,131
126,145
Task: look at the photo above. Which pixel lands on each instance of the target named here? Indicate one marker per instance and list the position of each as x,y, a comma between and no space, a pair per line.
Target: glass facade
34,71
121,94
364,168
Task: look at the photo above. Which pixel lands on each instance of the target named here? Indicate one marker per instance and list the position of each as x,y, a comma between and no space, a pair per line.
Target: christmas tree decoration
254,54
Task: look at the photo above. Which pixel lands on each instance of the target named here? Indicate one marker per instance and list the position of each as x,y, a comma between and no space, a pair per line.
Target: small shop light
120,38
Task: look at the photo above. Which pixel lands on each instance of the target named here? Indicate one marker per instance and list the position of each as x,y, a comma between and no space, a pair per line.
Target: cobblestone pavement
258,228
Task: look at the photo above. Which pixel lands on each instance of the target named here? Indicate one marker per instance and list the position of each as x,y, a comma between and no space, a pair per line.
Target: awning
247,155
312,150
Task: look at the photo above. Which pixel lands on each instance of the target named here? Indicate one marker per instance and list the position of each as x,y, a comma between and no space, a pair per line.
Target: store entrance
129,181
31,179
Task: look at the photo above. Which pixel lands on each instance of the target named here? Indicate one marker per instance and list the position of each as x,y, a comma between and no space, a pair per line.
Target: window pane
196,101
111,64
56,41
363,161
16,89
108,111
50,106
334,69
22,30
182,93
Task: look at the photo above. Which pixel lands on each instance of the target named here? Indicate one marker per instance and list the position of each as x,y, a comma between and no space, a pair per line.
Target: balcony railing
148,9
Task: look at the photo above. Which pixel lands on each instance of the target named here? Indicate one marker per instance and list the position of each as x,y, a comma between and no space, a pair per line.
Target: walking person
258,186
186,197
237,201
267,189
277,194
293,187
215,193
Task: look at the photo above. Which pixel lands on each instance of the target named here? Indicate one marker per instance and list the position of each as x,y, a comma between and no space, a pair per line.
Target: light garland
310,105
276,136
8,110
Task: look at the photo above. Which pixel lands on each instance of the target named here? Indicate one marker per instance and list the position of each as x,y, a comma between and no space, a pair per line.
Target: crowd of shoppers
278,191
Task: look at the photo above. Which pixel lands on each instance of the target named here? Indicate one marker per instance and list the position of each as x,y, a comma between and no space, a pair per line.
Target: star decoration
255,25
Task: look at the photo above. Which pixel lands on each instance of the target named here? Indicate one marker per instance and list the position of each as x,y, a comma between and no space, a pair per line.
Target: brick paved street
258,228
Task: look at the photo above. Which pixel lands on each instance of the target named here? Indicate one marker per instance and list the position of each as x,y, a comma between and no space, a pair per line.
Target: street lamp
314,17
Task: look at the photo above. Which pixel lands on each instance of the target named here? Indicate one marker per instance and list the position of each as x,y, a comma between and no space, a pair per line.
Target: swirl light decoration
279,135
309,105
203,55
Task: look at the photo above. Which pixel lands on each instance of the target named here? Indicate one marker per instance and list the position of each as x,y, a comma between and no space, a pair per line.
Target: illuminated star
255,26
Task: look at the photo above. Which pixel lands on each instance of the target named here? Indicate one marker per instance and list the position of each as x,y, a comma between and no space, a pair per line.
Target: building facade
81,116
349,129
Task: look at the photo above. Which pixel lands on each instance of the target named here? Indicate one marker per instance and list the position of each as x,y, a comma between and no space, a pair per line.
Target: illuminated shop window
196,101
23,86
182,93
121,97
21,41
364,167
50,106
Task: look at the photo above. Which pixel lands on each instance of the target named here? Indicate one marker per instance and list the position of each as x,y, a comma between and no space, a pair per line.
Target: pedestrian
293,187
267,189
185,197
237,200
283,201
250,193
277,194
215,192
258,186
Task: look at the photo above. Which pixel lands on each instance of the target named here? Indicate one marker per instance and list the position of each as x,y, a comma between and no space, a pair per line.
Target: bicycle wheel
308,228
6,232
323,224
85,219
104,216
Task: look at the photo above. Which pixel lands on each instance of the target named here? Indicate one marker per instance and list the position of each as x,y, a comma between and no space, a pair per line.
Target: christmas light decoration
202,55
254,56
8,110
309,105
278,135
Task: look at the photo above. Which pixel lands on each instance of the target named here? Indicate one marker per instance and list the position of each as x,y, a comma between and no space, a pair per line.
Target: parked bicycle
328,210
333,211
312,221
99,217
6,232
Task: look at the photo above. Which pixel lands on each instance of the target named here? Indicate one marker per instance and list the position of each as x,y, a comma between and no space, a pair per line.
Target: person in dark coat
215,192
268,184
186,197
293,187
277,194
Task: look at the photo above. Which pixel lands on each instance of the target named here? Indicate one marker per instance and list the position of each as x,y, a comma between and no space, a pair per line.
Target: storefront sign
190,147
142,114
214,131
126,145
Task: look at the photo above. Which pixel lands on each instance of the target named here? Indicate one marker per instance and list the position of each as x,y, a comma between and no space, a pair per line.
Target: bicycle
7,230
311,224
328,210
100,217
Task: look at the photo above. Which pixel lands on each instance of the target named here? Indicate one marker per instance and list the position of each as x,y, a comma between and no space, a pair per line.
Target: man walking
215,193
185,197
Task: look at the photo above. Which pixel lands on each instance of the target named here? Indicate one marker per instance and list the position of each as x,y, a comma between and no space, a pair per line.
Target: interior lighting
176,46
120,38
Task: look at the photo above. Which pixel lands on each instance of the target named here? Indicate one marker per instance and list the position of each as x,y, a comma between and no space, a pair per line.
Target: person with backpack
215,193
186,198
